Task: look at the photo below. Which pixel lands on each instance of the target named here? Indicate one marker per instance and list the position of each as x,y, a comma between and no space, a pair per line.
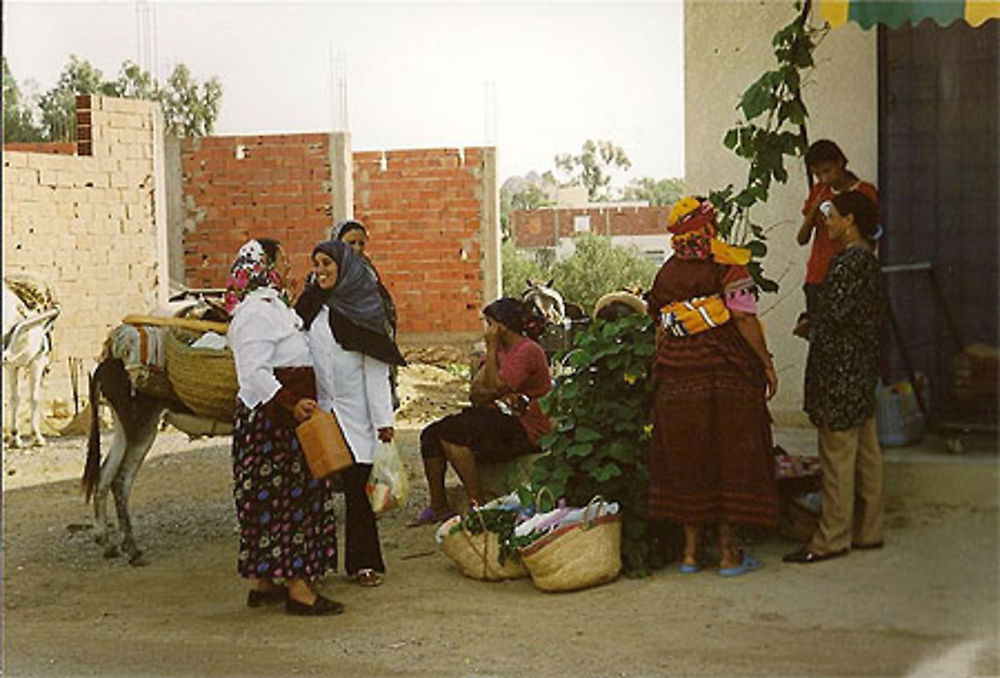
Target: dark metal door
938,174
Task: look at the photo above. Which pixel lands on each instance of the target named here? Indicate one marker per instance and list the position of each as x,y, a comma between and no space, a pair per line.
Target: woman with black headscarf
351,351
354,233
504,421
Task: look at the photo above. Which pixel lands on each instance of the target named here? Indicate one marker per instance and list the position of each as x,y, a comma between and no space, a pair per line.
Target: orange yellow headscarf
692,221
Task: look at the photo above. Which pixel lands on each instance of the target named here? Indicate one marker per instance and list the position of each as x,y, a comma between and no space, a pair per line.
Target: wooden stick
185,323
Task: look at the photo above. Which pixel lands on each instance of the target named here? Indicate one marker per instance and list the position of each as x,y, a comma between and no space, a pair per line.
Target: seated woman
504,421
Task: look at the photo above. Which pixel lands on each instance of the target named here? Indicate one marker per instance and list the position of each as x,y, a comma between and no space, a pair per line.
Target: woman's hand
304,409
492,335
772,381
386,434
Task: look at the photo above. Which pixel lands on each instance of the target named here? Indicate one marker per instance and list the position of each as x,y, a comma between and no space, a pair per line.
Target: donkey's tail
92,469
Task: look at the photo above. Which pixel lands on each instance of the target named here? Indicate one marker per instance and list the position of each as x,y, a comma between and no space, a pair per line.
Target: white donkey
29,312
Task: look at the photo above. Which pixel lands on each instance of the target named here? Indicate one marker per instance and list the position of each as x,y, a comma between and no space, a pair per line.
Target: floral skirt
287,523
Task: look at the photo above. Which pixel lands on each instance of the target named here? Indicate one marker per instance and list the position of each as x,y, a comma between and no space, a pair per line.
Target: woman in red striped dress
712,459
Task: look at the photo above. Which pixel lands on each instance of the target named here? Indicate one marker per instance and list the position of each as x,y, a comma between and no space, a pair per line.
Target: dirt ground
926,605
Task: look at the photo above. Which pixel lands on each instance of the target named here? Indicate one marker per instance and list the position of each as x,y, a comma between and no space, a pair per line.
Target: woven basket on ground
204,379
478,556
576,556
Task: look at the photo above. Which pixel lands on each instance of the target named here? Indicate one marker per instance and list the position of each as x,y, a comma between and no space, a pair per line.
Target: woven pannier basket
478,556
576,556
204,379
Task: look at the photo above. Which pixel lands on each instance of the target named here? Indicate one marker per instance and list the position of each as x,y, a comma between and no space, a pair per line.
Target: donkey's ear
549,283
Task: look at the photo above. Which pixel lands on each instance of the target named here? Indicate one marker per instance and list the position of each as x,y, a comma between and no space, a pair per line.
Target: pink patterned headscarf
251,270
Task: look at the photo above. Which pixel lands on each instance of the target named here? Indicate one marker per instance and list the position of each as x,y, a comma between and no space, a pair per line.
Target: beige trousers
851,464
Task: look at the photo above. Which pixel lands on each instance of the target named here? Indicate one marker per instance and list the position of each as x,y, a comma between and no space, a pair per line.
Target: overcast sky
416,73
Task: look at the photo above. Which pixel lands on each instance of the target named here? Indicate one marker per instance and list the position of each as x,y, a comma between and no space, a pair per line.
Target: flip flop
368,578
749,564
689,569
429,516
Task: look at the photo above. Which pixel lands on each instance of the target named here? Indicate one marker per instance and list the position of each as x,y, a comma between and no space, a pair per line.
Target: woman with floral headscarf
711,460
287,526
352,350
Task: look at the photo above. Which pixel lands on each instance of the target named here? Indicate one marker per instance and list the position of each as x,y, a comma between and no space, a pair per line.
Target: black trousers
362,549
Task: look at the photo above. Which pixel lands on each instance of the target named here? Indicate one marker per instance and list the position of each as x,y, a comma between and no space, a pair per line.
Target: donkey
29,313
137,417
562,318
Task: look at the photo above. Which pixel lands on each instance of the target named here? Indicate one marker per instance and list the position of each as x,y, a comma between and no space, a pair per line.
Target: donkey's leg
37,371
109,471
122,487
13,389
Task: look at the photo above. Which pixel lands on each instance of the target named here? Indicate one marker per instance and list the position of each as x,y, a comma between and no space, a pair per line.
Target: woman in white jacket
352,351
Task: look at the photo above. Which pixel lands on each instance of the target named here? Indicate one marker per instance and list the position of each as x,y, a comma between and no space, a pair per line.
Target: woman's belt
693,316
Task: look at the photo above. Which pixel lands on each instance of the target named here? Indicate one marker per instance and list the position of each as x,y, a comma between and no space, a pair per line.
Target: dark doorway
938,174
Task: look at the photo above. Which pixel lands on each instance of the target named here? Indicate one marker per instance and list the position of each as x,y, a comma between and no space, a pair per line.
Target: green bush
598,267
602,414
517,267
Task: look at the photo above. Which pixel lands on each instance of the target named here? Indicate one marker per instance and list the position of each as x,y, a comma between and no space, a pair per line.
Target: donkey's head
548,301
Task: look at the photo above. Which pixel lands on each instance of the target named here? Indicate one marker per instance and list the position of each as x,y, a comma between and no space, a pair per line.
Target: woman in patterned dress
711,460
287,525
841,375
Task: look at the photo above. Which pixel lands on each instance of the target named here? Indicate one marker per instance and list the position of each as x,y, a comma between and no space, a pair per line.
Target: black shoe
257,598
868,547
806,556
322,606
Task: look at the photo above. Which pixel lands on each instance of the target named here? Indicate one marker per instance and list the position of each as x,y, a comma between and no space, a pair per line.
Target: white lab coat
264,334
352,385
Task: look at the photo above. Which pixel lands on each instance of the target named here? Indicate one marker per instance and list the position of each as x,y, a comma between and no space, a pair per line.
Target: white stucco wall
727,46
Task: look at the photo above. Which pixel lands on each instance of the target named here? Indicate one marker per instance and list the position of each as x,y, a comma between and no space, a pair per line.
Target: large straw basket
478,556
204,379
576,556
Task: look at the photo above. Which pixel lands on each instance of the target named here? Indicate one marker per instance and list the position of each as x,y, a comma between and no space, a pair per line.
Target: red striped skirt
712,454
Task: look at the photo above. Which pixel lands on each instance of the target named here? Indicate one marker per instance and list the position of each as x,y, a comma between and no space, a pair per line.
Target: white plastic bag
388,486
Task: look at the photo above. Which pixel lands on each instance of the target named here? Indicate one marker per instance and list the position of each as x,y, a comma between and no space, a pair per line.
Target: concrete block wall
432,216
86,224
238,187
543,227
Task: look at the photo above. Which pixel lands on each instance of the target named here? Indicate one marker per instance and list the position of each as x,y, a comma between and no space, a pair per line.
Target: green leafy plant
600,443
773,126
597,267
497,520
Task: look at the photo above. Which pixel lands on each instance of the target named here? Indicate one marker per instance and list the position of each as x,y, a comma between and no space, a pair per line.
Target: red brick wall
280,189
538,228
424,213
53,147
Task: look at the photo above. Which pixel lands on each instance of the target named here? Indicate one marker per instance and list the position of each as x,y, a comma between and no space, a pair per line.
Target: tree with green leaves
597,267
18,121
190,108
593,166
656,192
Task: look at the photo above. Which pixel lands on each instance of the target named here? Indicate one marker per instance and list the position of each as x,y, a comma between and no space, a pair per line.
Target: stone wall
86,224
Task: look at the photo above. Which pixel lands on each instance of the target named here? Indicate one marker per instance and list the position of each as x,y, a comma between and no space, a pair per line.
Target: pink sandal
429,516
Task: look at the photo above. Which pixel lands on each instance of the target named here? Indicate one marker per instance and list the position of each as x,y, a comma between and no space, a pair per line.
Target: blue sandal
689,569
749,564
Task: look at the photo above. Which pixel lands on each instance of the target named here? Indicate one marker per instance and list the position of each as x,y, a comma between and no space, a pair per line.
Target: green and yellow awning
894,13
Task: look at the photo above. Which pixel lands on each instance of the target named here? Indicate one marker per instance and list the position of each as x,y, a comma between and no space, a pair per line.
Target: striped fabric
894,13
684,318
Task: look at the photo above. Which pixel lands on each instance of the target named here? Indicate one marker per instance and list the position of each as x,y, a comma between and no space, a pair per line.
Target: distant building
549,231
